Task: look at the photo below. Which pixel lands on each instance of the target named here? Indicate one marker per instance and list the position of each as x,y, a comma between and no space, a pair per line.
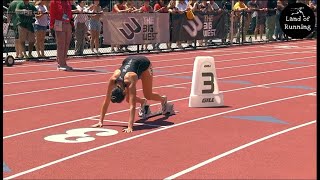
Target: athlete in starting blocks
122,84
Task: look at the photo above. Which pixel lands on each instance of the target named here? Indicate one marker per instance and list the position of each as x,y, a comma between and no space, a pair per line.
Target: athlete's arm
132,102
106,102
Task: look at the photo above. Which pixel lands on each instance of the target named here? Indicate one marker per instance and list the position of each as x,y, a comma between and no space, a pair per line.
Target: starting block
204,89
170,111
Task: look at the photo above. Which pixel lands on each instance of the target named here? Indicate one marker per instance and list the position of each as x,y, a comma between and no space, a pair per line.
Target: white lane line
122,122
192,168
313,94
166,60
125,110
65,87
115,58
102,73
177,87
92,97
147,133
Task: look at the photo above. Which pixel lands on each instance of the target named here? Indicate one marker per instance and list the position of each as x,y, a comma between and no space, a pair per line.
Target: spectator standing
252,4
81,29
226,6
119,7
182,8
213,7
278,33
60,24
172,10
13,18
146,8
261,19
271,19
313,5
131,7
41,26
242,19
204,7
25,22
95,25
160,7
190,5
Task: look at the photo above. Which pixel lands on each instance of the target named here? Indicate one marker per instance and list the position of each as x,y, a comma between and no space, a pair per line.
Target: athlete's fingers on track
127,130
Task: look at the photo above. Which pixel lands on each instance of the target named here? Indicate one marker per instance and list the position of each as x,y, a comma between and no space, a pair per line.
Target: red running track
276,81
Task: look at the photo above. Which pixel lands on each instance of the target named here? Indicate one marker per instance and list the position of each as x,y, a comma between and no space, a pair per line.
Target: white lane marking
166,60
177,87
65,87
122,122
192,168
103,73
92,97
125,110
262,86
115,58
145,134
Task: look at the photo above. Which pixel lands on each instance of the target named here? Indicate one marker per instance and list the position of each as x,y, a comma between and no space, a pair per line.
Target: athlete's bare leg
146,78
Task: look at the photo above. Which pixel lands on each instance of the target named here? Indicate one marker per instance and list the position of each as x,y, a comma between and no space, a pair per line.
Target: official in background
60,22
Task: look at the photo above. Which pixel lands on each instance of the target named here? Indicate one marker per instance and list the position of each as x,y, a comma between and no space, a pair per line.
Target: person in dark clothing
122,85
271,19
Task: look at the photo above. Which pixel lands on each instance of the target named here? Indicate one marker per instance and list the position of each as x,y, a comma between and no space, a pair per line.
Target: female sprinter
122,84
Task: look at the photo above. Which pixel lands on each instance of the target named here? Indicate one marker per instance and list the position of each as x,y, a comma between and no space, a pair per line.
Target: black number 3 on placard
211,83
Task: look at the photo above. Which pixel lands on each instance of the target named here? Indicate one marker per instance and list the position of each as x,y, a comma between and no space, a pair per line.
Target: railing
228,24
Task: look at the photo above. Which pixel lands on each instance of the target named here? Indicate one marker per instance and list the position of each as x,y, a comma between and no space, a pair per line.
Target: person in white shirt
41,26
81,29
95,25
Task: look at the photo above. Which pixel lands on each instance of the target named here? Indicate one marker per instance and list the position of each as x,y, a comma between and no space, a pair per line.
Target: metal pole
231,23
242,24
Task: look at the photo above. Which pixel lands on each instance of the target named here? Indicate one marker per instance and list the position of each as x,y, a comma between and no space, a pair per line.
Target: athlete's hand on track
127,130
97,125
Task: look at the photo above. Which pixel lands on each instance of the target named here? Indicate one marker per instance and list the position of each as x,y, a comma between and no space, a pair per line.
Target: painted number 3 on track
79,135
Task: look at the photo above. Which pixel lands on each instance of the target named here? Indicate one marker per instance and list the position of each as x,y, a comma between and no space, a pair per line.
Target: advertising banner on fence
203,26
135,28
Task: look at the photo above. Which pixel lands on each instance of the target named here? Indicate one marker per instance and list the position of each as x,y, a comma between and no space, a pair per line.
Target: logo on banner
193,30
132,30
148,28
208,30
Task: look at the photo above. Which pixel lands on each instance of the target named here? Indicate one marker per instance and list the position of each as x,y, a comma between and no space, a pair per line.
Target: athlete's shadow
152,124
145,124
86,70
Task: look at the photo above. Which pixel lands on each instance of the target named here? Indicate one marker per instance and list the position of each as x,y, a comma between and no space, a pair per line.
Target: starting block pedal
169,111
